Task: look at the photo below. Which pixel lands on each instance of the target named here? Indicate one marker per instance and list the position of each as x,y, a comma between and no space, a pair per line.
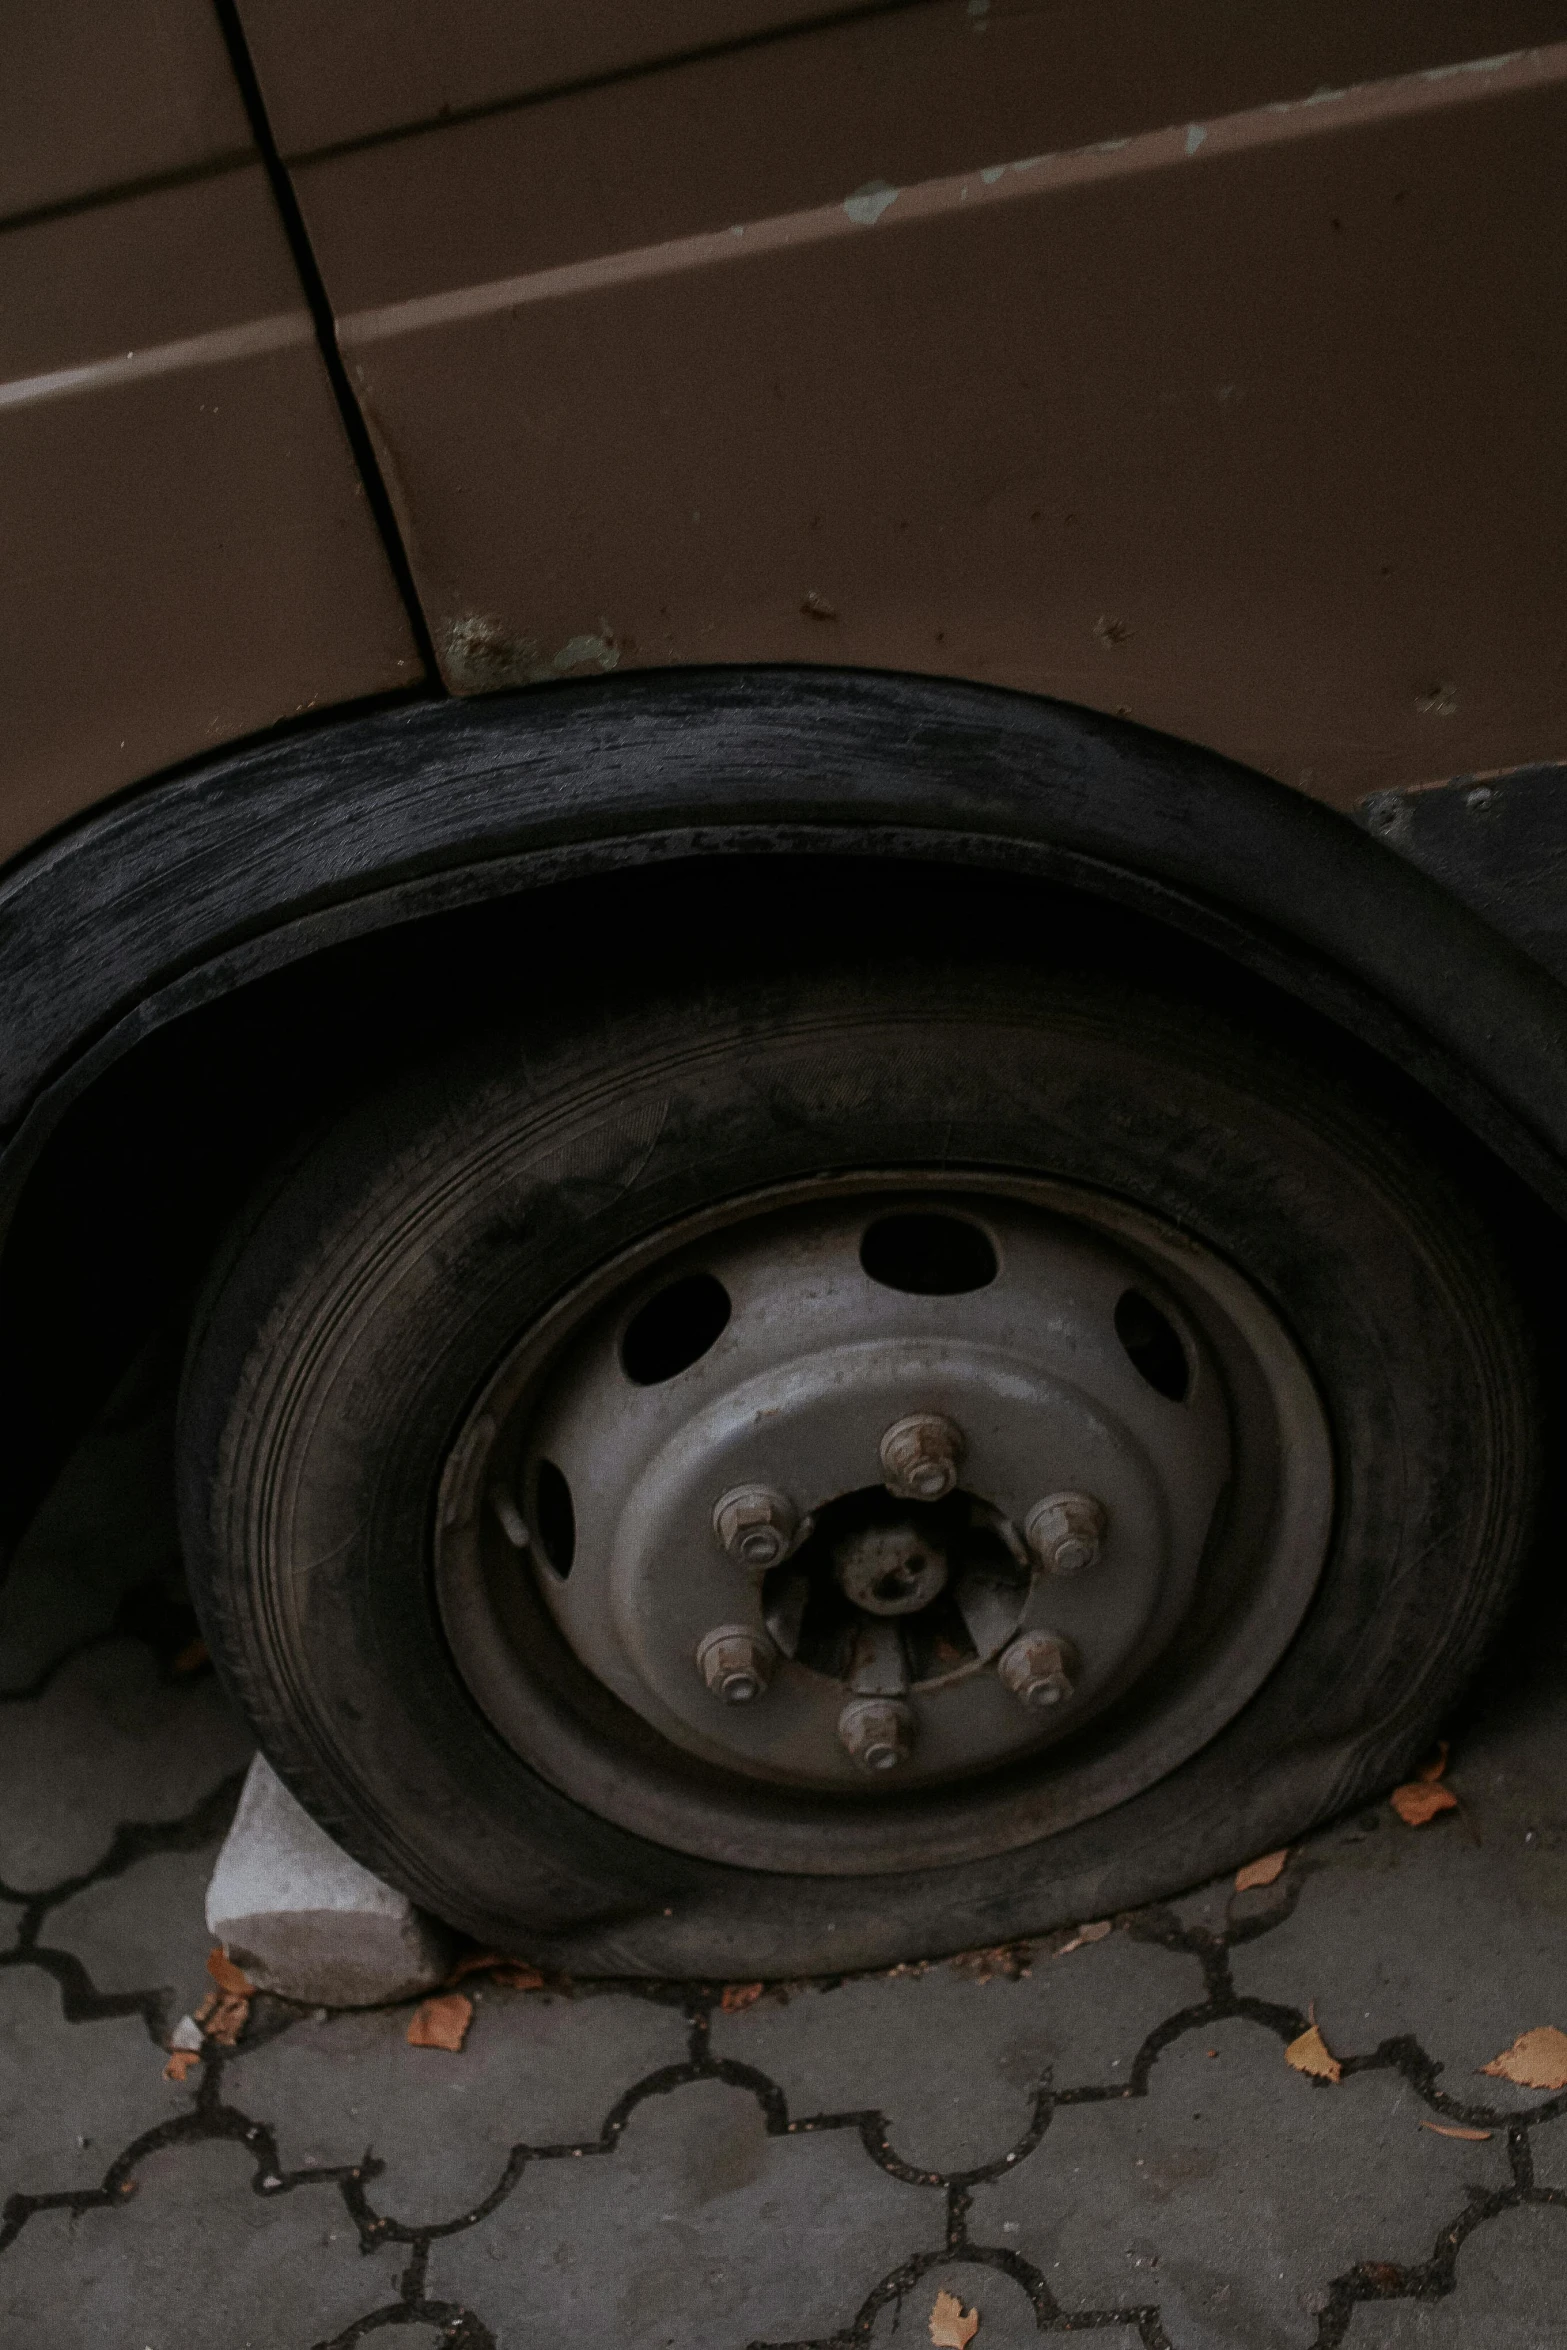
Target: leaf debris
1261,1872
441,2022
952,2327
1454,2130
227,1975
1008,1959
1419,1802
474,1962
1311,2053
738,1996
1536,2060
1095,1932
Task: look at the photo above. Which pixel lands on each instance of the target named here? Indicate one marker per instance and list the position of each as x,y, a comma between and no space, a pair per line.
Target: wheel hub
861,1499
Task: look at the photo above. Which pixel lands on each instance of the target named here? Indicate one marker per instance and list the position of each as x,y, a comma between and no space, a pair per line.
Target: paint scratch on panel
867,204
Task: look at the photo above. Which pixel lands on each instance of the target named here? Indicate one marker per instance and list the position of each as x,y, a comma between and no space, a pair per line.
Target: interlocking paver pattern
1105,2140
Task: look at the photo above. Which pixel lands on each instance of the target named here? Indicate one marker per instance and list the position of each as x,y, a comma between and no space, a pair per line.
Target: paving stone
1510,2294
698,2231
1476,1957
1004,2308
109,1740
953,2061
1548,2145
1233,2192
143,1928
194,2260
71,2095
536,2069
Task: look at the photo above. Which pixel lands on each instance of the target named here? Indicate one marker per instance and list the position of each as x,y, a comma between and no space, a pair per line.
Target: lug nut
878,1732
735,1663
920,1456
1064,1532
755,1525
1037,1668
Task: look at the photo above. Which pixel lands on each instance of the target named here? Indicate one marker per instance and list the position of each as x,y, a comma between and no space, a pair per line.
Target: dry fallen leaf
441,2022
1536,2060
1453,2130
1420,1801
1435,1764
222,2017
476,1962
1261,1872
952,2327
1009,1959
191,1658
1311,2054
519,1978
180,2062
1094,1933
739,1995
227,1975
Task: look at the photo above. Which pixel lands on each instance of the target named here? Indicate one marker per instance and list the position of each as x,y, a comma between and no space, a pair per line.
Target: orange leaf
739,1995
180,2063
1452,2130
1435,1764
1536,2060
1420,1801
1084,1935
441,2022
1261,1872
476,1962
227,1975
223,2018
952,2327
519,1978
1311,2054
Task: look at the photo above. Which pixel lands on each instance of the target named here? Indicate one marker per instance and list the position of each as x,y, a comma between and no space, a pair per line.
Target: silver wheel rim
766,1549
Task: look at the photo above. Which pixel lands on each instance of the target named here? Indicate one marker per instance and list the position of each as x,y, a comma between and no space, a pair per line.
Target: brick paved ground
1108,2140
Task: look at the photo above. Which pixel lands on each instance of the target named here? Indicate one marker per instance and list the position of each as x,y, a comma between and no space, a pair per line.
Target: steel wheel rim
1215,1511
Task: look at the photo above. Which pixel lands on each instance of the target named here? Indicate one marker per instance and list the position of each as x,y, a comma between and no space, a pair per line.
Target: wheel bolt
755,1525
1064,1532
920,1456
1036,1667
735,1663
878,1732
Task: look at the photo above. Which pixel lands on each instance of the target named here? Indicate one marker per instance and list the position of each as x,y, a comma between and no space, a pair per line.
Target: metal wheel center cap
890,1570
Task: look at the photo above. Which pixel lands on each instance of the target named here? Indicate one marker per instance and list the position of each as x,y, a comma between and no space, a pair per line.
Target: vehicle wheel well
124,1207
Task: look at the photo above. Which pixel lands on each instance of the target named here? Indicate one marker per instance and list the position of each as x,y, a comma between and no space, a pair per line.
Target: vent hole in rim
557,1520
674,1330
928,1256
1153,1345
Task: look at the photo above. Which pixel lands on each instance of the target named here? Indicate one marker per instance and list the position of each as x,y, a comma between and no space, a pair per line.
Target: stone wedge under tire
376,1282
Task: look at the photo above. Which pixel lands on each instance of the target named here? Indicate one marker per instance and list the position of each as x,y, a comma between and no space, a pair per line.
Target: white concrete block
304,1920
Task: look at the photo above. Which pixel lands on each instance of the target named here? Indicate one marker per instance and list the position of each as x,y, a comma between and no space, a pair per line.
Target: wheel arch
162,929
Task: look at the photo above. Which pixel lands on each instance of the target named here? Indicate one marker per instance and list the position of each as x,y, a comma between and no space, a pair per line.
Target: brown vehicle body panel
96,99
188,555
1247,427
1184,359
